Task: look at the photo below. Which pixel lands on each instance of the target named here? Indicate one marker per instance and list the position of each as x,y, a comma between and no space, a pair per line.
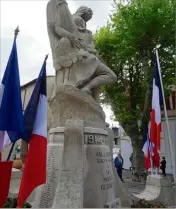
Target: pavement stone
134,187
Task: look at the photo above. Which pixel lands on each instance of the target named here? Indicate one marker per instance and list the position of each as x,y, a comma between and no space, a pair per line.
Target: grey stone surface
15,183
69,190
70,103
115,204
45,193
98,177
158,189
75,58
98,173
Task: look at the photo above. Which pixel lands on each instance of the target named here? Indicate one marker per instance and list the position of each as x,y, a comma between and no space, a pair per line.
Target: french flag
157,101
11,116
35,133
147,147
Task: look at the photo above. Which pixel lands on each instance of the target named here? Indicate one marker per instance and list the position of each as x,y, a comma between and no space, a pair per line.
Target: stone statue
79,166
75,58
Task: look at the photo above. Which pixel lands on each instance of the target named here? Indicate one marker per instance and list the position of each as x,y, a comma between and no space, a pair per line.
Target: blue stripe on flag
11,114
31,109
157,81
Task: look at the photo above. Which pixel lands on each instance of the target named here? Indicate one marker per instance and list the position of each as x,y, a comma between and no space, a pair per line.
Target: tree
127,45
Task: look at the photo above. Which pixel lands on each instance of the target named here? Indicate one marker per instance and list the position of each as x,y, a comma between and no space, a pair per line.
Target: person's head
84,12
119,153
163,158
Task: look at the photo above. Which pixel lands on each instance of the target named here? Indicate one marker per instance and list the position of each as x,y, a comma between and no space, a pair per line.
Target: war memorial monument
79,169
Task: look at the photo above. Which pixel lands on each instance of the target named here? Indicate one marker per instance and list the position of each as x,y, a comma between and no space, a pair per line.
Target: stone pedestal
69,190
158,189
45,194
70,103
15,183
80,172
67,180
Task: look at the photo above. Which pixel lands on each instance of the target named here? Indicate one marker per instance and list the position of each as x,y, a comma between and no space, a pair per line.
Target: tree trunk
138,172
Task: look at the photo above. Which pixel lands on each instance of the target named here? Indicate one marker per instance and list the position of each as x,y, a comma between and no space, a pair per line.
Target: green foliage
12,203
127,45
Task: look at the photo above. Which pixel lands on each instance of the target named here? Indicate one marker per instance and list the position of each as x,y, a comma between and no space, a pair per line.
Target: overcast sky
33,42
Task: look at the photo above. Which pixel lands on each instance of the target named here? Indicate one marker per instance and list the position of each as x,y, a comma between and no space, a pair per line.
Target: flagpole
11,150
150,148
16,32
166,117
151,160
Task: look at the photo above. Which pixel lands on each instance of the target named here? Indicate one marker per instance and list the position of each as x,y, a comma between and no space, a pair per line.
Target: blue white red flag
11,116
35,133
147,148
157,101
152,138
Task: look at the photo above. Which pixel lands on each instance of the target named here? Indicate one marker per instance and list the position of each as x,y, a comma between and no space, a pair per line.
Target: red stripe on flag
5,177
34,173
147,162
155,131
156,158
155,138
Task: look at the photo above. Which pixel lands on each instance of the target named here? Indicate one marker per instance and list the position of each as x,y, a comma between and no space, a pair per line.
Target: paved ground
135,187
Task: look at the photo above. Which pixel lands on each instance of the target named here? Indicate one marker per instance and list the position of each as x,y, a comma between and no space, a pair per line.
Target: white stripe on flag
40,125
145,148
4,140
148,147
156,103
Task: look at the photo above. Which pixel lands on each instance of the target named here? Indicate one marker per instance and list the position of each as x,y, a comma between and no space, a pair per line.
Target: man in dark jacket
163,166
118,162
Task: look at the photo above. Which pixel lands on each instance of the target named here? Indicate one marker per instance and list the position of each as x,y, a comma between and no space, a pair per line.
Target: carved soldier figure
74,56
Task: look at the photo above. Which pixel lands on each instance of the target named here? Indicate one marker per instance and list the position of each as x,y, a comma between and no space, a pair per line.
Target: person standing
131,160
163,166
118,162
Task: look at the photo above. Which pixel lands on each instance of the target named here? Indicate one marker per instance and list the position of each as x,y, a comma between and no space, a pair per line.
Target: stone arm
64,24
61,32
91,45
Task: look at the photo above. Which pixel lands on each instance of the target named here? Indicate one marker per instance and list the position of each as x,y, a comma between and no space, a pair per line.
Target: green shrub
12,203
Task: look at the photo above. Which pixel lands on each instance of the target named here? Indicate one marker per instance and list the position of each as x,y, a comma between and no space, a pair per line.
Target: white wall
126,150
165,148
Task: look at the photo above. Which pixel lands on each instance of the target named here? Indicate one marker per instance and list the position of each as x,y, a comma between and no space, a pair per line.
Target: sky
32,41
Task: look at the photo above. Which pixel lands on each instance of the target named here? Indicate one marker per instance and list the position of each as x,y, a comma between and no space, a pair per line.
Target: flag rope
10,152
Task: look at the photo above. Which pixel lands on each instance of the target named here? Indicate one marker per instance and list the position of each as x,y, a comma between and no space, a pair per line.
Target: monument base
158,189
80,172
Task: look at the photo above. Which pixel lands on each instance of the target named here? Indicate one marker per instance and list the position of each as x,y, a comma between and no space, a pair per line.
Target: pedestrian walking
118,162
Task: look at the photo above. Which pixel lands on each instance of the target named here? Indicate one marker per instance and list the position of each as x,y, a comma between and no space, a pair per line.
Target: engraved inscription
107,186
94,139
103,157
47,195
